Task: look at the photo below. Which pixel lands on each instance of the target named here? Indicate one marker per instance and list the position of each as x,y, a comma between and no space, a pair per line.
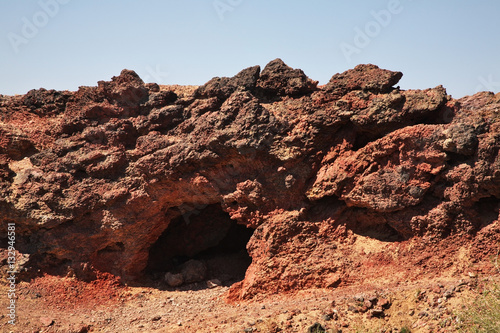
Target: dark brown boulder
363,77
278,79
223,87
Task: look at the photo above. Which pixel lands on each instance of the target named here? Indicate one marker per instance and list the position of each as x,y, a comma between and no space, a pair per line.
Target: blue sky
64,44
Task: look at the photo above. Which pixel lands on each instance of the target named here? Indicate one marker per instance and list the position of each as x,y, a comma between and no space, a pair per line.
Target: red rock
383,303
223,87
377,312
128,177
277,79
364,77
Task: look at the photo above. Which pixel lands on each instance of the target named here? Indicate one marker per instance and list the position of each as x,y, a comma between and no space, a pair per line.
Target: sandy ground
62,304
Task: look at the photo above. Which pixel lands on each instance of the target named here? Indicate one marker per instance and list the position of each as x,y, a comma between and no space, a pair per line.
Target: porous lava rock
93,179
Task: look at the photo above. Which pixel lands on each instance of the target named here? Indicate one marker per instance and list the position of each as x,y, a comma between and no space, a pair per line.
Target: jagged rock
223,87
45,102
128,177
127,89
363,77
365,179
278,79
161,98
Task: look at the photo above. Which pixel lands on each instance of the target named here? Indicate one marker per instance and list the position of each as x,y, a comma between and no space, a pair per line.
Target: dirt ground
429,304
44,306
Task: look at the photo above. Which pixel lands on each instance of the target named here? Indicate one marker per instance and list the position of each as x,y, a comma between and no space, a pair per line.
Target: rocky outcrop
127,176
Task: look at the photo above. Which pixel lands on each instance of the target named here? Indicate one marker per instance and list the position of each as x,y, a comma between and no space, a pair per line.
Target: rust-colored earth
257,203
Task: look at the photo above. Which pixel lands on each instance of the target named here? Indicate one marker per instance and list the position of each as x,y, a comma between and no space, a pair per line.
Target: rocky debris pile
125,176
189,272
433,308
372,305
432,305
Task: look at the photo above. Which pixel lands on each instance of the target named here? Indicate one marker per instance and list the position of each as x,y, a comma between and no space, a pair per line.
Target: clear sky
64,44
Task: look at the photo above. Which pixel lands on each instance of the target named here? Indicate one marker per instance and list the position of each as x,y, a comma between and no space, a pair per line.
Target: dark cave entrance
486,211
207,235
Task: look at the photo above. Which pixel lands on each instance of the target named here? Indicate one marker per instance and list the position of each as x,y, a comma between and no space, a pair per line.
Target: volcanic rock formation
130,178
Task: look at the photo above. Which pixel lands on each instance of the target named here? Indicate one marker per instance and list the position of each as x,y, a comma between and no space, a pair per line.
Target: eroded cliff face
128,177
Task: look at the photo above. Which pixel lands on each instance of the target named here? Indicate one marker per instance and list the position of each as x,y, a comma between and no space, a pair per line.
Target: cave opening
486,211
206,235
